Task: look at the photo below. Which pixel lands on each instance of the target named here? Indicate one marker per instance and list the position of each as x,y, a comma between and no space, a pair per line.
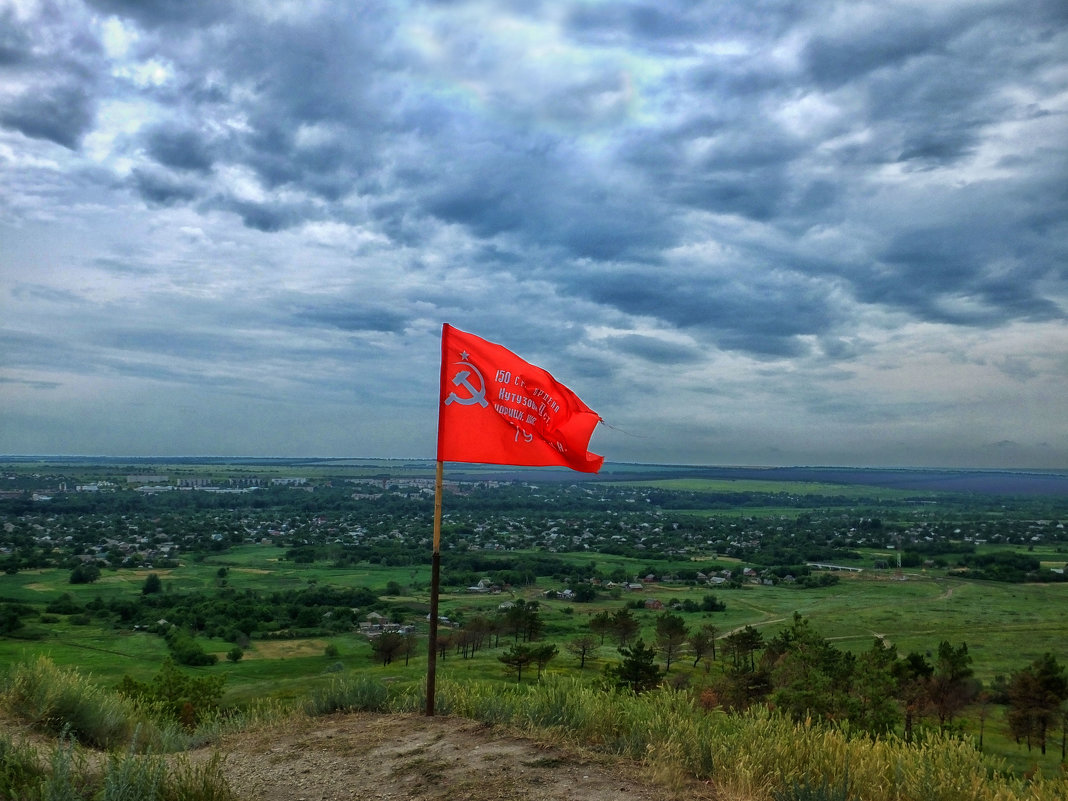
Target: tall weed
812,792
131,777
206,782
349,694
68,779
759,755
54,700
20,771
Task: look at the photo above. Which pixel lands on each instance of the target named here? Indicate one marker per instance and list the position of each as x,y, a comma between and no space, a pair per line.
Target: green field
1006,626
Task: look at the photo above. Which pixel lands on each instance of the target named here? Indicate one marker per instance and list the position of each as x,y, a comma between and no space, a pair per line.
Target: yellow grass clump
756,755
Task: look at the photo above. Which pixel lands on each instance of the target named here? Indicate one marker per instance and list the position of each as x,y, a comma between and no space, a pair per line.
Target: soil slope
380,757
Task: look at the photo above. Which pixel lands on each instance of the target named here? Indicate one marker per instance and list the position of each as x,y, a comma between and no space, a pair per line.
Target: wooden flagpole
435,583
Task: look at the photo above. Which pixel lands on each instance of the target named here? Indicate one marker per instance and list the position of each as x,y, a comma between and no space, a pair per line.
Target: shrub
176,696
57,700
84,574
186,650
152,584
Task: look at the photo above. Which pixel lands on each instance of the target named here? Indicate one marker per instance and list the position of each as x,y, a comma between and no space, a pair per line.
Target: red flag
498,409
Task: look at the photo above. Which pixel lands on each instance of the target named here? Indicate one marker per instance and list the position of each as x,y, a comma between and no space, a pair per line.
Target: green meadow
1006,626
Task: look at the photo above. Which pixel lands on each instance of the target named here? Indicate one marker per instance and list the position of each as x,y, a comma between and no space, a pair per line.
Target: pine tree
638,670
1035,696
671,633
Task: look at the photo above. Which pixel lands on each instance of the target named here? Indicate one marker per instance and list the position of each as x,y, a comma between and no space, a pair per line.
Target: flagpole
435,582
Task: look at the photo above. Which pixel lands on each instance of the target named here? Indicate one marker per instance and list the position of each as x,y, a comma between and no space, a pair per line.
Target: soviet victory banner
496,408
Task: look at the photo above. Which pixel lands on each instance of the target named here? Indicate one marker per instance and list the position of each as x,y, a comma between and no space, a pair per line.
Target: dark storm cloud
353,317
51,69
680,23
191,345
31,384
325,68
931,82
122,266
15,42
50,295
61,113
499,183
160,187
783,187
315,118
181,149
655,350
329,169
38,351
754,194
175,374
956,273
833,62
549,197
268,217
152,13
763,314
329,125
733,160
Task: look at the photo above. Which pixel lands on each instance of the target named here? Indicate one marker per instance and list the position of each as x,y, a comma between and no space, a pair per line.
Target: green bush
186,650
56,700
176,696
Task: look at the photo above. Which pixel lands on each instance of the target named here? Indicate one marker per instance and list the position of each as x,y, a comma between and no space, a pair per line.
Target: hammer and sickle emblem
474,395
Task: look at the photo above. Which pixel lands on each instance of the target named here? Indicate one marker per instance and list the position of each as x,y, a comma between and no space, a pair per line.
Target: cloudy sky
753,232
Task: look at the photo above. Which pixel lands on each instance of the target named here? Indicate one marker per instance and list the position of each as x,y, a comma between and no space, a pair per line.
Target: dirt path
394,757
759,623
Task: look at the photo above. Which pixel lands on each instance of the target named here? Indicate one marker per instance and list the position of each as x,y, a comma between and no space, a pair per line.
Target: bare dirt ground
416,758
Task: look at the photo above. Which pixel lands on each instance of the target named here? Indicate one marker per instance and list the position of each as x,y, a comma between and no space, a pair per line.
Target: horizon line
682,465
